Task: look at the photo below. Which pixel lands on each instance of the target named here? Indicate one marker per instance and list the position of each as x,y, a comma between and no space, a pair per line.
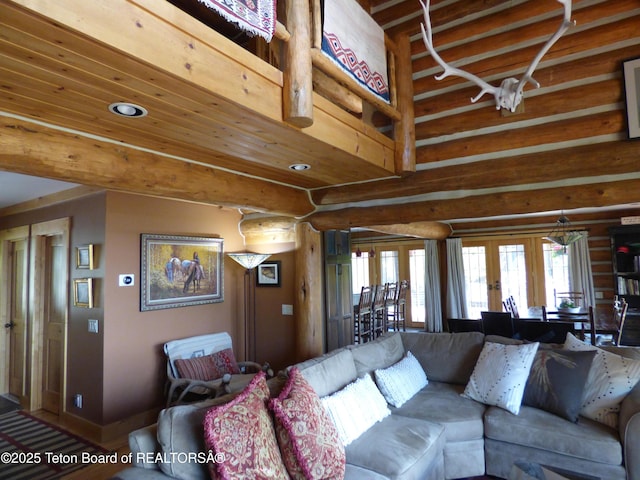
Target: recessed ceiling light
299,167
130,110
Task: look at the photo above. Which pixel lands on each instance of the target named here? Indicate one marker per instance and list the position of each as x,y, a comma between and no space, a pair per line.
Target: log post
404,130
309,292
298,87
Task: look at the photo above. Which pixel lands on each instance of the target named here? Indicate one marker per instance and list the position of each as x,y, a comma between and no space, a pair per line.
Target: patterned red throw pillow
309,441
241,434
224,361
197,368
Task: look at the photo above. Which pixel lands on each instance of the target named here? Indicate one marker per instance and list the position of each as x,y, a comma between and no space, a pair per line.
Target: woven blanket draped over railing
256,17
355,42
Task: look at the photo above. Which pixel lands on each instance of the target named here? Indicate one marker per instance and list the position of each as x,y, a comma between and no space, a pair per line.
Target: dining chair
457,325
577,298
535,330
497,323
614,332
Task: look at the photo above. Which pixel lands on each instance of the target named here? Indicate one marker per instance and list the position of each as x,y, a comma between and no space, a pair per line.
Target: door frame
37,282
533,257
7,236
36,308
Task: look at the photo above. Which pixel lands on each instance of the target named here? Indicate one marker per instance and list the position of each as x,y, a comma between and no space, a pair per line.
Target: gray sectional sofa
437,434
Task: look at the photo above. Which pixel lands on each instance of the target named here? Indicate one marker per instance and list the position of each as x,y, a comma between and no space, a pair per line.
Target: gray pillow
557,381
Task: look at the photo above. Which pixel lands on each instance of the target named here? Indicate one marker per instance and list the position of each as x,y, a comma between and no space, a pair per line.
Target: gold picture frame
83,292
84,257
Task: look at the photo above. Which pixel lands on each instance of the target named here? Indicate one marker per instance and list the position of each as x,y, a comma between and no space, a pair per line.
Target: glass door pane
556,272
388,266
513,274
416,282
475,276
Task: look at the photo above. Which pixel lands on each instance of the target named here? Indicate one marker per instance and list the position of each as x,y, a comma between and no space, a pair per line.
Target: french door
498,268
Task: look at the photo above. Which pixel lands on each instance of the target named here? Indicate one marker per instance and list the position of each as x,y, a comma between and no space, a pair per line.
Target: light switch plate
287,309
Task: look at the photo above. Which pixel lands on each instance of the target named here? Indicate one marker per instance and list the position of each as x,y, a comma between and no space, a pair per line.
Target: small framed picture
269,274
631,70
83,292
84,257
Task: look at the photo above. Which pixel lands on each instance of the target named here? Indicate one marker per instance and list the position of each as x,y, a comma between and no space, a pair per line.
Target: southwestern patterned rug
32,449
256,17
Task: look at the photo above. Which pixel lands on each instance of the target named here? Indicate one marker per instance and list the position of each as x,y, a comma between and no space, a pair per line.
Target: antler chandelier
509,94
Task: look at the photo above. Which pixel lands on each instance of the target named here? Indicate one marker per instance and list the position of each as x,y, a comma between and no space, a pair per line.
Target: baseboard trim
106,433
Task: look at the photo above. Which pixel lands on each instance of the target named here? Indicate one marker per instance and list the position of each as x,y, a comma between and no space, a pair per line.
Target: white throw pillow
356,408
402,380
610,379
501,374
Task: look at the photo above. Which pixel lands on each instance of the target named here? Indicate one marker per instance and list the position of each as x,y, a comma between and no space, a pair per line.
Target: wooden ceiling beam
481,206
613,158
32,149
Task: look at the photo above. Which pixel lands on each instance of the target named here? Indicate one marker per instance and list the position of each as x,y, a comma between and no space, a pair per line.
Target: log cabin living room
139,117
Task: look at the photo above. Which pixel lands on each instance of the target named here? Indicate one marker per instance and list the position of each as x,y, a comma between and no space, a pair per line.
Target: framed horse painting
179,271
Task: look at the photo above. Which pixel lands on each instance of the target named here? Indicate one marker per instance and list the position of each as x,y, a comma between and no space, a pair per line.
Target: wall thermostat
126,280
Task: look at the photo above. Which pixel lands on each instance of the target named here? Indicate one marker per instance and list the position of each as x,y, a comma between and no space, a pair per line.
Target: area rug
256,17
32,449
355,43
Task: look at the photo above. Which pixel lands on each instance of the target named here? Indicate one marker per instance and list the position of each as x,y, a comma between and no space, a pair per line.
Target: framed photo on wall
268,274
631,70
179,271
83,292
84,256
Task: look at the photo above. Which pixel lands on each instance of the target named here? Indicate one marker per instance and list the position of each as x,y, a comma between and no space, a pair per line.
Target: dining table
580,318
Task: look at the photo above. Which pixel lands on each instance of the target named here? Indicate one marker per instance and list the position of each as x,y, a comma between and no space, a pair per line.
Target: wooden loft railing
306,67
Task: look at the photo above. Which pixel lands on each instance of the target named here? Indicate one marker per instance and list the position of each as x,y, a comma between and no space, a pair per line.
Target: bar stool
379,310
362,316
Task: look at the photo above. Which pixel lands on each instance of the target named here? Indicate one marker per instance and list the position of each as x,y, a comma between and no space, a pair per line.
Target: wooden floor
94,472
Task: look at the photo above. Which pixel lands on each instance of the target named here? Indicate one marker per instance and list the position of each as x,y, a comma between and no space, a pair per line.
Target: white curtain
456,294
433,305
580,276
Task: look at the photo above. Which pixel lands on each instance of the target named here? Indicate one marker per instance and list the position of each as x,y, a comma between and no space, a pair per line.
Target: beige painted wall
134,363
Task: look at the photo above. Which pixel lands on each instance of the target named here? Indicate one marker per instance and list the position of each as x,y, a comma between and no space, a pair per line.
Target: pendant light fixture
563,234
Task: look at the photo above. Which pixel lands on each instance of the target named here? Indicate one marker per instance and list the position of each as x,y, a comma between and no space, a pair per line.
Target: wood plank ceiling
568,149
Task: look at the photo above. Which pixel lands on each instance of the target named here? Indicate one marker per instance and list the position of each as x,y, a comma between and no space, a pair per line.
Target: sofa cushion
536,428
355,408
242,431
501,374
557,381
308,439
401,381
398,447
442,403
329,372
445,357
381,353
610,379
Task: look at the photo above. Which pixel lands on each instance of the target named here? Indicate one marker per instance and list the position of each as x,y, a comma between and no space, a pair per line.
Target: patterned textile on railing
256,17
355,42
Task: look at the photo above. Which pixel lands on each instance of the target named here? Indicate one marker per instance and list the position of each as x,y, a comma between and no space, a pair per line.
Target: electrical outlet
93,326
77,400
